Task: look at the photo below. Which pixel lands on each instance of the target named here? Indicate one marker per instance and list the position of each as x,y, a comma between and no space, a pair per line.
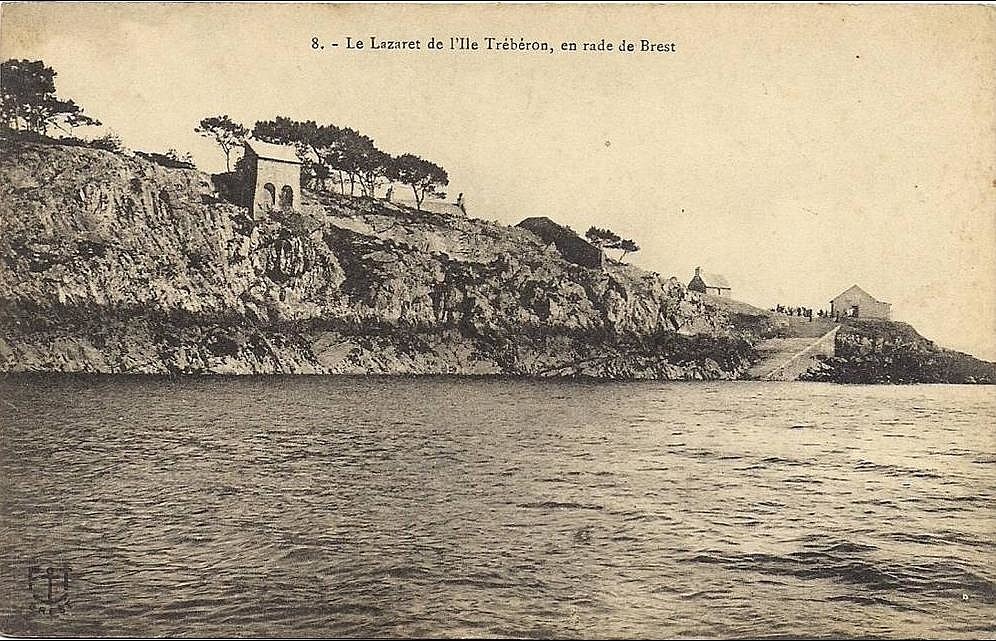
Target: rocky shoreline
114,264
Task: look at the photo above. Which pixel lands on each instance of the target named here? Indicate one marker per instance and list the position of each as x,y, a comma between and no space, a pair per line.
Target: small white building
274,176
707,283
855,302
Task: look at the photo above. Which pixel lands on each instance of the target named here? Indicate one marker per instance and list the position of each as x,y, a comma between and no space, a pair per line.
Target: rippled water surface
381,506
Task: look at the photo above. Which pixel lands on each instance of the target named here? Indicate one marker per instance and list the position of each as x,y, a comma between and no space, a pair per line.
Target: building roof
572,247
537,223
714,280
853,288
270,151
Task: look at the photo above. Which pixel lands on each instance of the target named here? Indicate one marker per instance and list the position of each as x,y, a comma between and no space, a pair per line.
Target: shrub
108,142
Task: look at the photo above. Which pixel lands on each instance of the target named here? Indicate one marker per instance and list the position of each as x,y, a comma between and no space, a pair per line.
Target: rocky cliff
112,263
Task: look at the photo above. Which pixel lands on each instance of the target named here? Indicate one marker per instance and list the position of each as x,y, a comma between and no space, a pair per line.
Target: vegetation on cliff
28,100
608,239
334,157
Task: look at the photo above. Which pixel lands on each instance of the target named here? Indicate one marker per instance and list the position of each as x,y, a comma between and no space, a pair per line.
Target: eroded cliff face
114,264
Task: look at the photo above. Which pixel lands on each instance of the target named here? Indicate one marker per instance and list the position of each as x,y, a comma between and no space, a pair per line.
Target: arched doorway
287,197
271,195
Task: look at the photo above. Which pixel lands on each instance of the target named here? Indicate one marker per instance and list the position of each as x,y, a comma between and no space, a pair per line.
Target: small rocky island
119,263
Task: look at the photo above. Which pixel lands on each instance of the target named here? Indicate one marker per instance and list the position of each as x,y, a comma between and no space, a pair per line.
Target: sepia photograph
470,320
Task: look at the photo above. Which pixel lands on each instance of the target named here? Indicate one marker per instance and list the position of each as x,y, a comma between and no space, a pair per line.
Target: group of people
801,312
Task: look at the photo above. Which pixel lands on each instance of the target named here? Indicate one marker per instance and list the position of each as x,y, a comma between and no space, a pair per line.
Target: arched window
287,197
271,198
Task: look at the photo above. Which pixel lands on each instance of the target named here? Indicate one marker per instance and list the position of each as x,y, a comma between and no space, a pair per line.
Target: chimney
697,270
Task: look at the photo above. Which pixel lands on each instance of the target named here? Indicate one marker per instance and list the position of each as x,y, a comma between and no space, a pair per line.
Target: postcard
497,320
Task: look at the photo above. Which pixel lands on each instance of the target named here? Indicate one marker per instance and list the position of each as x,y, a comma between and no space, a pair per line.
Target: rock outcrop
111,263
880,351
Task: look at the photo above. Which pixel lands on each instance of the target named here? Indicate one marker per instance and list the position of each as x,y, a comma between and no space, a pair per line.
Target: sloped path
785,359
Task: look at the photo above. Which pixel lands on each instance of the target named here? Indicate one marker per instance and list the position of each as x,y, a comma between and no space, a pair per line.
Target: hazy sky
796,149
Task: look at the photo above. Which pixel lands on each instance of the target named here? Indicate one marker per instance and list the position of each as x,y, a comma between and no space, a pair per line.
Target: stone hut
857,303
274,176
706,283
572,247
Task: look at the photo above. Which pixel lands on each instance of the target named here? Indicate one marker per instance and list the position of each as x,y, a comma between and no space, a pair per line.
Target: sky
797,150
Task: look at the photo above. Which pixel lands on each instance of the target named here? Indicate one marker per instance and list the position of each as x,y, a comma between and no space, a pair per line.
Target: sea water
444,506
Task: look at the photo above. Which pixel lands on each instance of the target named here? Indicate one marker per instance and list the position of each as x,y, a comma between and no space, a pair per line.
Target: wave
557,505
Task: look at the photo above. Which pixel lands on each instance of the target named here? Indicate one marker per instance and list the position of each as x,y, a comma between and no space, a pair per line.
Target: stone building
707,283
857,303
273,178
572,247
